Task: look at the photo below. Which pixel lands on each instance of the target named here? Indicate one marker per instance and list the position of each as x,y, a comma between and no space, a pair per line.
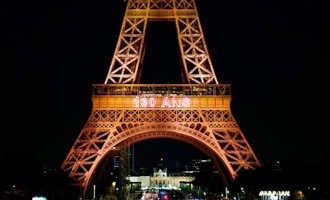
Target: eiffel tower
125,112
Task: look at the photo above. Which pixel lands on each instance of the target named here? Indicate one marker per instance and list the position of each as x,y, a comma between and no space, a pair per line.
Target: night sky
275,54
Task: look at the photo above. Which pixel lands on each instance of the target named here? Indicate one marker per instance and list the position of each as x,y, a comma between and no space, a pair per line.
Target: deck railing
161,89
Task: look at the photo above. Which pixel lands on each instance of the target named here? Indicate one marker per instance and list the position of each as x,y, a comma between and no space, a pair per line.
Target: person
299,195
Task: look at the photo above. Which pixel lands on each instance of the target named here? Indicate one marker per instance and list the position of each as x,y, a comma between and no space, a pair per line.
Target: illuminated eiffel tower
126,112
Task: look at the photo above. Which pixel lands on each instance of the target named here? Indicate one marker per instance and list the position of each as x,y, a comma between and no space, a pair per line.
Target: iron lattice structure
125,112
129,51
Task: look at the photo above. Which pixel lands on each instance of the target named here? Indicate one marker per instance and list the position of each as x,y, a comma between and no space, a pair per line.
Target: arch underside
183,138
214,132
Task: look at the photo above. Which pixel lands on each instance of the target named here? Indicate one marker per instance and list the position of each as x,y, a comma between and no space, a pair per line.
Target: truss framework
116,119
128,56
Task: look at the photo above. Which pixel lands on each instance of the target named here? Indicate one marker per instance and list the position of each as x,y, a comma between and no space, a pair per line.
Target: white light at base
39,198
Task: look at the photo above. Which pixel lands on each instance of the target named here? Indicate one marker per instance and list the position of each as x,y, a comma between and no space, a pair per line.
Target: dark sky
274,53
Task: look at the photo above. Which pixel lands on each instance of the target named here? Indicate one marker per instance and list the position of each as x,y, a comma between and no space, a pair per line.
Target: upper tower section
126,64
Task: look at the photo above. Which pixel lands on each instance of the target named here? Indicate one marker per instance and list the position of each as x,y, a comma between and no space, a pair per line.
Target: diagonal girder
125,62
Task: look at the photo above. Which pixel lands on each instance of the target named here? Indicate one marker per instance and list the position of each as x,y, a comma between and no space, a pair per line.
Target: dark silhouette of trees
287,175
24,177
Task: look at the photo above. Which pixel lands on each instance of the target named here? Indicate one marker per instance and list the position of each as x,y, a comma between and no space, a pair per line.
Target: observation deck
164,96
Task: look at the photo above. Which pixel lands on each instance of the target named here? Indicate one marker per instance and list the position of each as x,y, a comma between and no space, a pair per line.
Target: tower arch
175,132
